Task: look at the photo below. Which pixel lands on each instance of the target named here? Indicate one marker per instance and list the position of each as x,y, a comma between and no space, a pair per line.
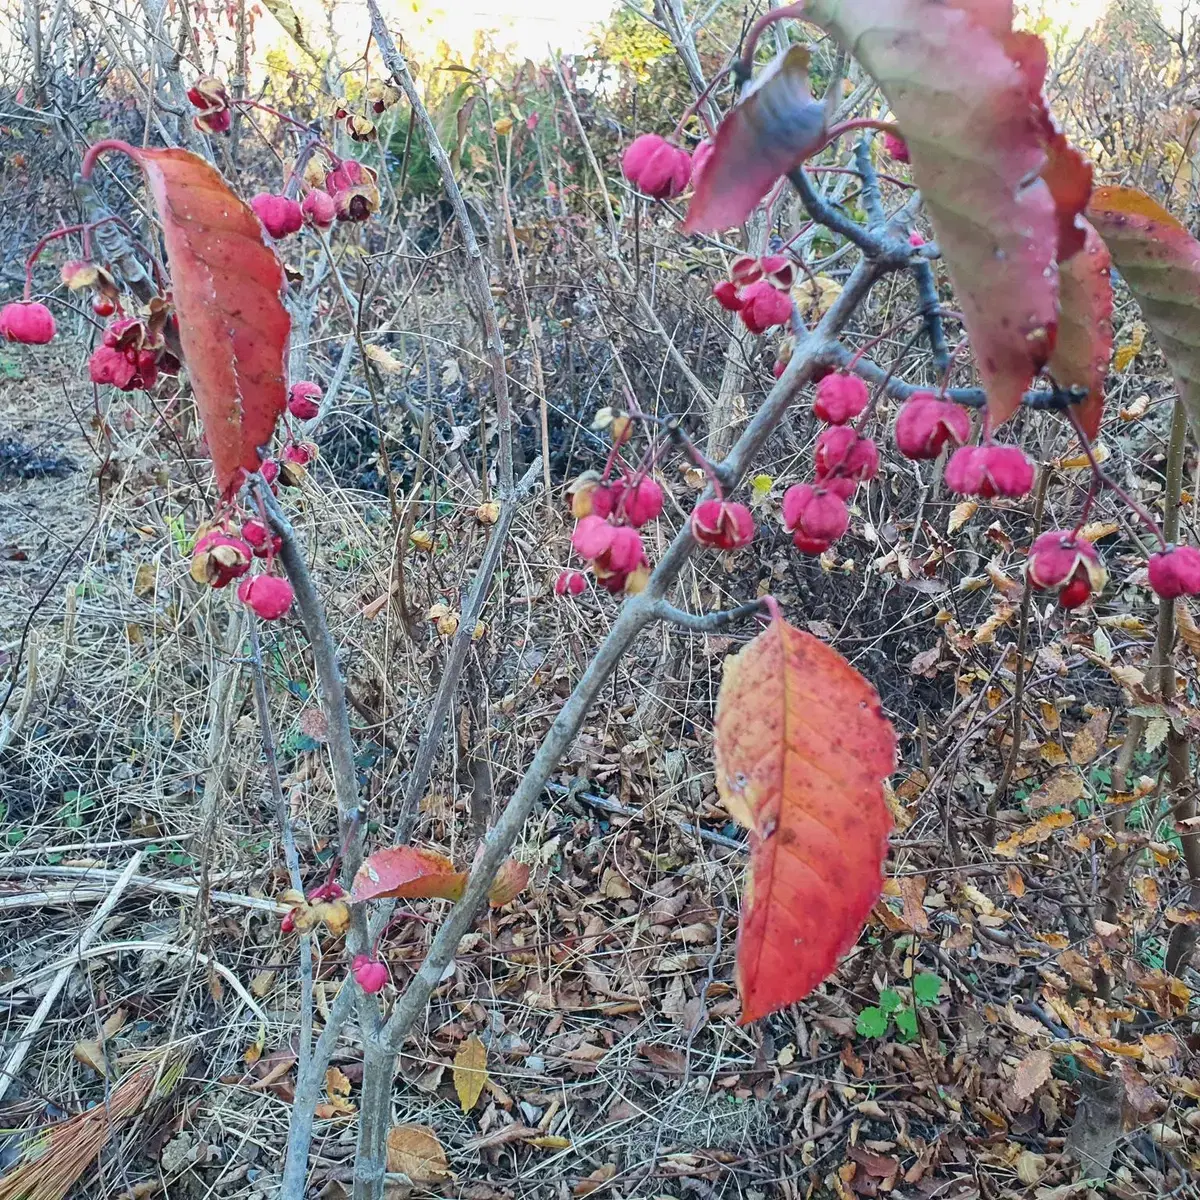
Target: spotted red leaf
226,284
772,130
802,750
1160,261
1001,188
1085,335
407,873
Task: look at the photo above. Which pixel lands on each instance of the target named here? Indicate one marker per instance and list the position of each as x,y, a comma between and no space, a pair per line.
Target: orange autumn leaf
802,750
407,873
226,286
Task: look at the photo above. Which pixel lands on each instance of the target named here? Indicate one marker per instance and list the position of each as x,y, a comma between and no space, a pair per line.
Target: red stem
746,63
98,148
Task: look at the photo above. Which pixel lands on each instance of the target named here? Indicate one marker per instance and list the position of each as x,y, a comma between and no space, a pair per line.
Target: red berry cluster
133,353
816,513
608,517
219,557
759,290
928,424
208,94
1064,562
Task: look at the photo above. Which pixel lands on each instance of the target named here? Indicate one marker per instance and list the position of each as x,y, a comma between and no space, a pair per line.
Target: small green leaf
872,1022
926,987
889,1000
906,1023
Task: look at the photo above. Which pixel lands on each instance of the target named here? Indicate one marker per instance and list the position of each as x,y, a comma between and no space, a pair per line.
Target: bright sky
527,27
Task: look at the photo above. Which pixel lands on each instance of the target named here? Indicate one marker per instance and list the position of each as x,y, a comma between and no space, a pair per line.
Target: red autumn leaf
774,128
510,881
1085,335
1000,186
226,284
802,750
407,873
1160,261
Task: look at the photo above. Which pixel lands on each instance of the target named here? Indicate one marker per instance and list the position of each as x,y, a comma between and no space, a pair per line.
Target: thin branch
477,273
283,816
706,622
418,779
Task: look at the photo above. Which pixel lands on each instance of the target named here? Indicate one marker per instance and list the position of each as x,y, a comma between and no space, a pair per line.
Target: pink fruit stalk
840,398
1175,572
722,524
280,215
657,167
926,424
268,595
27,322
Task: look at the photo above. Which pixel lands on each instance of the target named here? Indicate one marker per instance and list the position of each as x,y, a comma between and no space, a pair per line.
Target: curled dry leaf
414,1150
1032,1071
802,750
1031,835
510,881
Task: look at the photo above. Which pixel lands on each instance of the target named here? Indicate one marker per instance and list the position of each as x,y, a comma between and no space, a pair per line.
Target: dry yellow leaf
414,1150
1032,1071
1189,631
144,579
263,982
1093,531
986,633
1061,788
1050,717
816,293
421,539
1089,741
1136,409
1014,881
1039,831
551,1142
91,1054
503,126
1129,350
488,513
388,363
1080,462
337,1083
1052,754
960,514
470,1072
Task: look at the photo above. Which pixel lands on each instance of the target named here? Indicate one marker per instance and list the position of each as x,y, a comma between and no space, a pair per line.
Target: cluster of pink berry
133,353
347,192
660,168
759,290
209,97
219,557
927,424
608,516
815,513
